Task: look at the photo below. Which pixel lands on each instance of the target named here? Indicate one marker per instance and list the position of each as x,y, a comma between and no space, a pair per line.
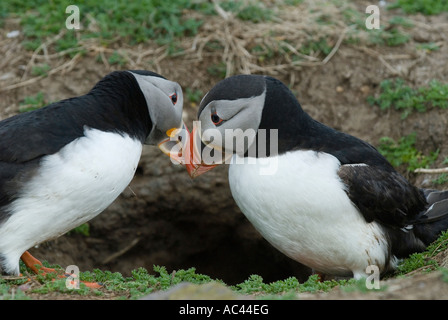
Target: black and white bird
324,198
63,164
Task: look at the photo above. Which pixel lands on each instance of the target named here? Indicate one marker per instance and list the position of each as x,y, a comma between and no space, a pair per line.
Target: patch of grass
134,22
8,292
424,260
390,33
396,94
32,102
248,11
430,46
427,7
287,288
391,37
141,282
40,70
83,229
442,179
117,58
316,46
218,70
404,153
194,96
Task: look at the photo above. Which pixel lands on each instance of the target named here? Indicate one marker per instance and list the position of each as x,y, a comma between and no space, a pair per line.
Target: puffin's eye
173,98
216,119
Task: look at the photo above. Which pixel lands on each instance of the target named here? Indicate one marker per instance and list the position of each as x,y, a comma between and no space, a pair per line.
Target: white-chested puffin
322,197
63,164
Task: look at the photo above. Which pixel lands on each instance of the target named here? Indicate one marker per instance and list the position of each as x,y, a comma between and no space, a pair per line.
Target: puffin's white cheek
213,138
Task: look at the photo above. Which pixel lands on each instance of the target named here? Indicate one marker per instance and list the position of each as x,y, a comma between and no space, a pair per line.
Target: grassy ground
142,282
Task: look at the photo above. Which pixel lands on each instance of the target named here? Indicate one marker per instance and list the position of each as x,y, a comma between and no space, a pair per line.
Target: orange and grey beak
176,143
185,148
193,159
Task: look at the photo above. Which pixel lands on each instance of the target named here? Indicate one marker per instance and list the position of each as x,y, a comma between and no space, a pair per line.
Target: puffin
322,197
63,164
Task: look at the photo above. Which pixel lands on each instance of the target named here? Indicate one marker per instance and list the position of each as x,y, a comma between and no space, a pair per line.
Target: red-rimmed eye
216,119
173,98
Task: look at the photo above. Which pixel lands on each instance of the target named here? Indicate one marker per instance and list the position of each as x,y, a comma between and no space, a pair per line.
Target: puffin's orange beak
193,160
176,143
185,148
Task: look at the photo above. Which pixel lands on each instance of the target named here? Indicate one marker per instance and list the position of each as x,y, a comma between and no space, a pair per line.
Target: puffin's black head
234,112
152,100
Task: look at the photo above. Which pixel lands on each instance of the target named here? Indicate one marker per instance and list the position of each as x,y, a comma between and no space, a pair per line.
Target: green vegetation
404,153
391,32
394,93
442,179
40,70
33,102
141,283
10,293
133,22
425,260
315,46
428,7
253,11
83,229
108,20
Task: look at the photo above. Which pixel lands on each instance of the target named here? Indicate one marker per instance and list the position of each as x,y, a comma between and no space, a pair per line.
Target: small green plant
442,179
404,152
314,47
135,22
218,70
117,58
83,229
394,93
141,282
288,287
252,11
424,260
194,96
11,293
391,37
40,70
430,46
427,7
32,102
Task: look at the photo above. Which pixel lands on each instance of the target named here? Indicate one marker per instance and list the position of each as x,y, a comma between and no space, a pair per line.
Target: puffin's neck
122,105
282,112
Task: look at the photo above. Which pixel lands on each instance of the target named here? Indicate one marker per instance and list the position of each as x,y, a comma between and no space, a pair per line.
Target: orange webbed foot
38,268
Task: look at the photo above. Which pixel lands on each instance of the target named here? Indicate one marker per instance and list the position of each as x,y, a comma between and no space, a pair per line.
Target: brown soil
164,217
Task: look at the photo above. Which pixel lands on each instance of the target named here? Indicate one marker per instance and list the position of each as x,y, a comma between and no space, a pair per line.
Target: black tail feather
435,220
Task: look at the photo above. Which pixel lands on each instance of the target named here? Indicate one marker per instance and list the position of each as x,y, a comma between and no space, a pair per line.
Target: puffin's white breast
298,203
70,187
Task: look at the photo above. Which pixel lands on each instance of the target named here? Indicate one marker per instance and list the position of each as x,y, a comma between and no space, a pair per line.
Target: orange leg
32,263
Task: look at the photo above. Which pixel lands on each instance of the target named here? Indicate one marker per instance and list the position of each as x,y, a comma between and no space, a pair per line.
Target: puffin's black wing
30,135
26,138
382,194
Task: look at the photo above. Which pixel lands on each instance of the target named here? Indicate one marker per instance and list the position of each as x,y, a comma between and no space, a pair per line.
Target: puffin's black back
298,131
115,104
